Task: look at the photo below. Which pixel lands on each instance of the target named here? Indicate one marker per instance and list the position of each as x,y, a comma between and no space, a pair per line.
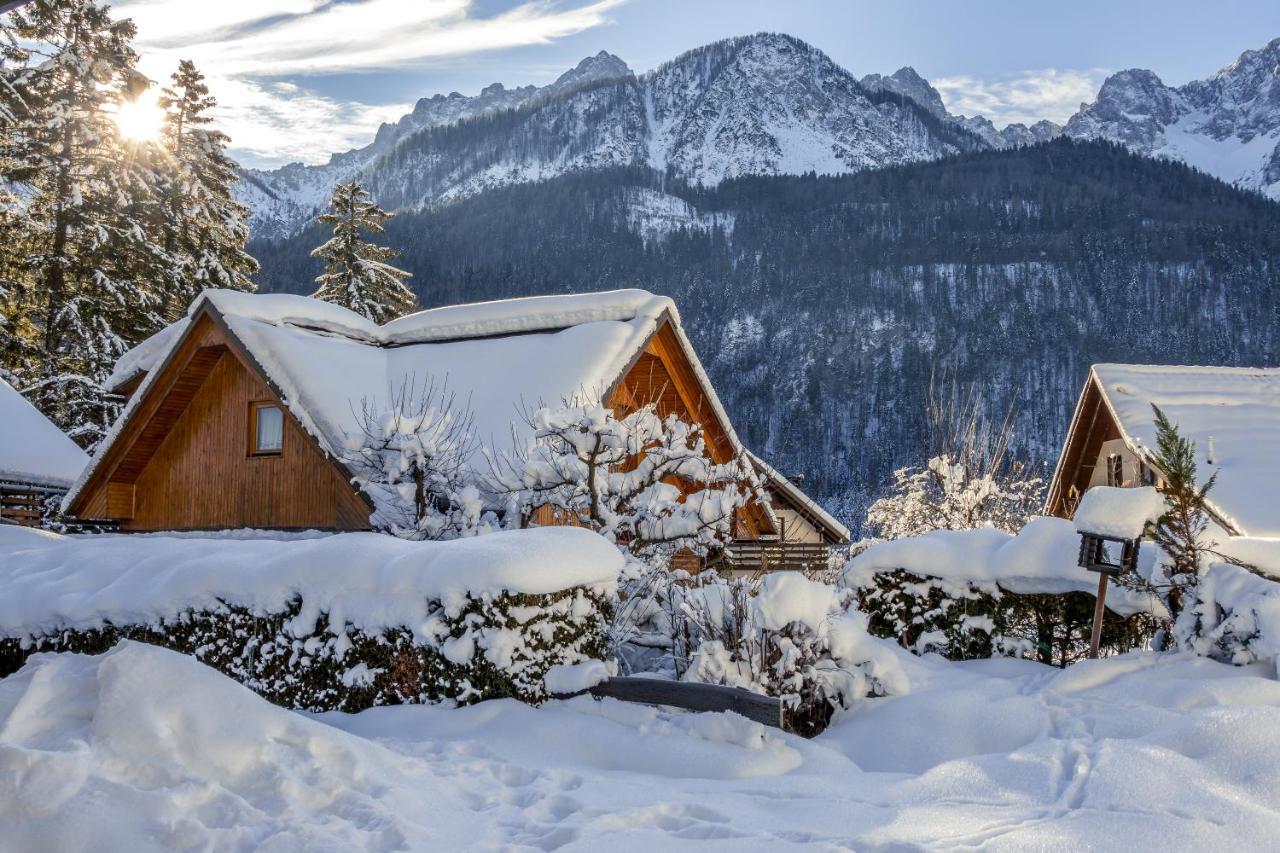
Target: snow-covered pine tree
356,273
203,228
89,266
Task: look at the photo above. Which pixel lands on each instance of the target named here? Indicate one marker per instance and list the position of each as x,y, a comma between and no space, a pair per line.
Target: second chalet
237,414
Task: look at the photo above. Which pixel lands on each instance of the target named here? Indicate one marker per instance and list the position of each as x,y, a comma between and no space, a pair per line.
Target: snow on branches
410,458
948,494
645,481
356,273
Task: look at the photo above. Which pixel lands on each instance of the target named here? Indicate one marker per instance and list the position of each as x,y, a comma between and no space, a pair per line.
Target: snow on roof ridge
1205,369
448,323
525,314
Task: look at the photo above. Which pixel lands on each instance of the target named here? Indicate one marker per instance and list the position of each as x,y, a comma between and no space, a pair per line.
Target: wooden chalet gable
180,460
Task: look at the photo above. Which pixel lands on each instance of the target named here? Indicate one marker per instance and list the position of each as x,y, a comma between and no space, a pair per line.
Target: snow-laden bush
780,634
644,481
335,622
1234,612
949,494
411,458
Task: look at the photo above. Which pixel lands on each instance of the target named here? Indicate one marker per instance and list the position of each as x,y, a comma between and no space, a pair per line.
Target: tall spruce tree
356,273
1180,531
87,266
203,228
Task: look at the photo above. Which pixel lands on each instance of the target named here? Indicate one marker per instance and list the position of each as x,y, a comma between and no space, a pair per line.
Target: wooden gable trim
141,425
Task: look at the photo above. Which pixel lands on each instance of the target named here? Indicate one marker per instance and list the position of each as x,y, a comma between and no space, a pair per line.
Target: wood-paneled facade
183,460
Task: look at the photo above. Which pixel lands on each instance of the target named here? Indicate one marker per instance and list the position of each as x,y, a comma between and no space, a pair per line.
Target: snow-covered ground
143,749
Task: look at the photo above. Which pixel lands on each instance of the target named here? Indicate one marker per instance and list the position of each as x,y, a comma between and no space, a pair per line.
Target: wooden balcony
765,555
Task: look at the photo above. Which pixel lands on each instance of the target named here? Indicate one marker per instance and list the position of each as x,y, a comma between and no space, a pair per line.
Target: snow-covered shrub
781,635
411,458
948,494
338,622
924,614
499,646
643,481
1234,613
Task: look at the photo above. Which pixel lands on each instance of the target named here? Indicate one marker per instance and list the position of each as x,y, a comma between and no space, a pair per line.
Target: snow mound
1122,513
1041,558
145,749
372,581
32,449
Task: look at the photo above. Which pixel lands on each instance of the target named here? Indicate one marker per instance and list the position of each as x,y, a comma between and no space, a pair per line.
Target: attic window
266,429
1115,470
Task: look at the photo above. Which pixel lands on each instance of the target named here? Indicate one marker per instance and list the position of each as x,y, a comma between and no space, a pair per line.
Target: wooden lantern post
1106,555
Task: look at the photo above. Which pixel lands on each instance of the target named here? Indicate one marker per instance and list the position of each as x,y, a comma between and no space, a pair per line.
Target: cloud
1025,96
247,47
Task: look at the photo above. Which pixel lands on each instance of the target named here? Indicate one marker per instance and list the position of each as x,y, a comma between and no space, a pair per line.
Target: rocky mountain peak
906,81
602,66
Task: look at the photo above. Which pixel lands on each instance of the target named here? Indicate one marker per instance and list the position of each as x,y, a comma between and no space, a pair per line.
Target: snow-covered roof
498,359
797,496
1233,416
32,449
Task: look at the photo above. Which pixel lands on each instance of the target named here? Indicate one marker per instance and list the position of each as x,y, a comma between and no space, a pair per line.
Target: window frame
1115,469
255,407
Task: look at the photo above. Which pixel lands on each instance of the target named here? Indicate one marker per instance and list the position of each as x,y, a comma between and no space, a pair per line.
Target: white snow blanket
1233,416
142,749
372,581
1122,513
32,449
1041,558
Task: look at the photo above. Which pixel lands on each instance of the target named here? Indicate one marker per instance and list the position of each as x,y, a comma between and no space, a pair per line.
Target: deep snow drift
143,749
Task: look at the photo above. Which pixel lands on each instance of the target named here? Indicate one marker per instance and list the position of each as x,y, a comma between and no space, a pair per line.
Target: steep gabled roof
802,503
32,450
499,359
1233,412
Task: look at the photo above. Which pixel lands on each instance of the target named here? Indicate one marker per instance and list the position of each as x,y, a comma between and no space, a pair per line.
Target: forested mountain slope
821,305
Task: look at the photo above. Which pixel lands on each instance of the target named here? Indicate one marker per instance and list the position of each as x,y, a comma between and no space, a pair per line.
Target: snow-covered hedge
975,593
334,622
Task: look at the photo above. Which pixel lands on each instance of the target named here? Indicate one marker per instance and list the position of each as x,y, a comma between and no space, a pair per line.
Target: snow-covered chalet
37,460
237,414
1231,413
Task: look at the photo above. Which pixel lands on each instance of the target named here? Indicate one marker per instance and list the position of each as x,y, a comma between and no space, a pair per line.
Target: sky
299,79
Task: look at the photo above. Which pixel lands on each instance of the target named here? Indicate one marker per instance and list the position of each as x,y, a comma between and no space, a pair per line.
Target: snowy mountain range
1227,125
762,104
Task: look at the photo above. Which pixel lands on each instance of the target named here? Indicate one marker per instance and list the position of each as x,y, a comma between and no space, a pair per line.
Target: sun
140,120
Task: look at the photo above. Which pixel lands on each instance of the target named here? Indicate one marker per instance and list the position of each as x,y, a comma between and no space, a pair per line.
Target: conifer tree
1180,531
356,273
87,265
203,228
